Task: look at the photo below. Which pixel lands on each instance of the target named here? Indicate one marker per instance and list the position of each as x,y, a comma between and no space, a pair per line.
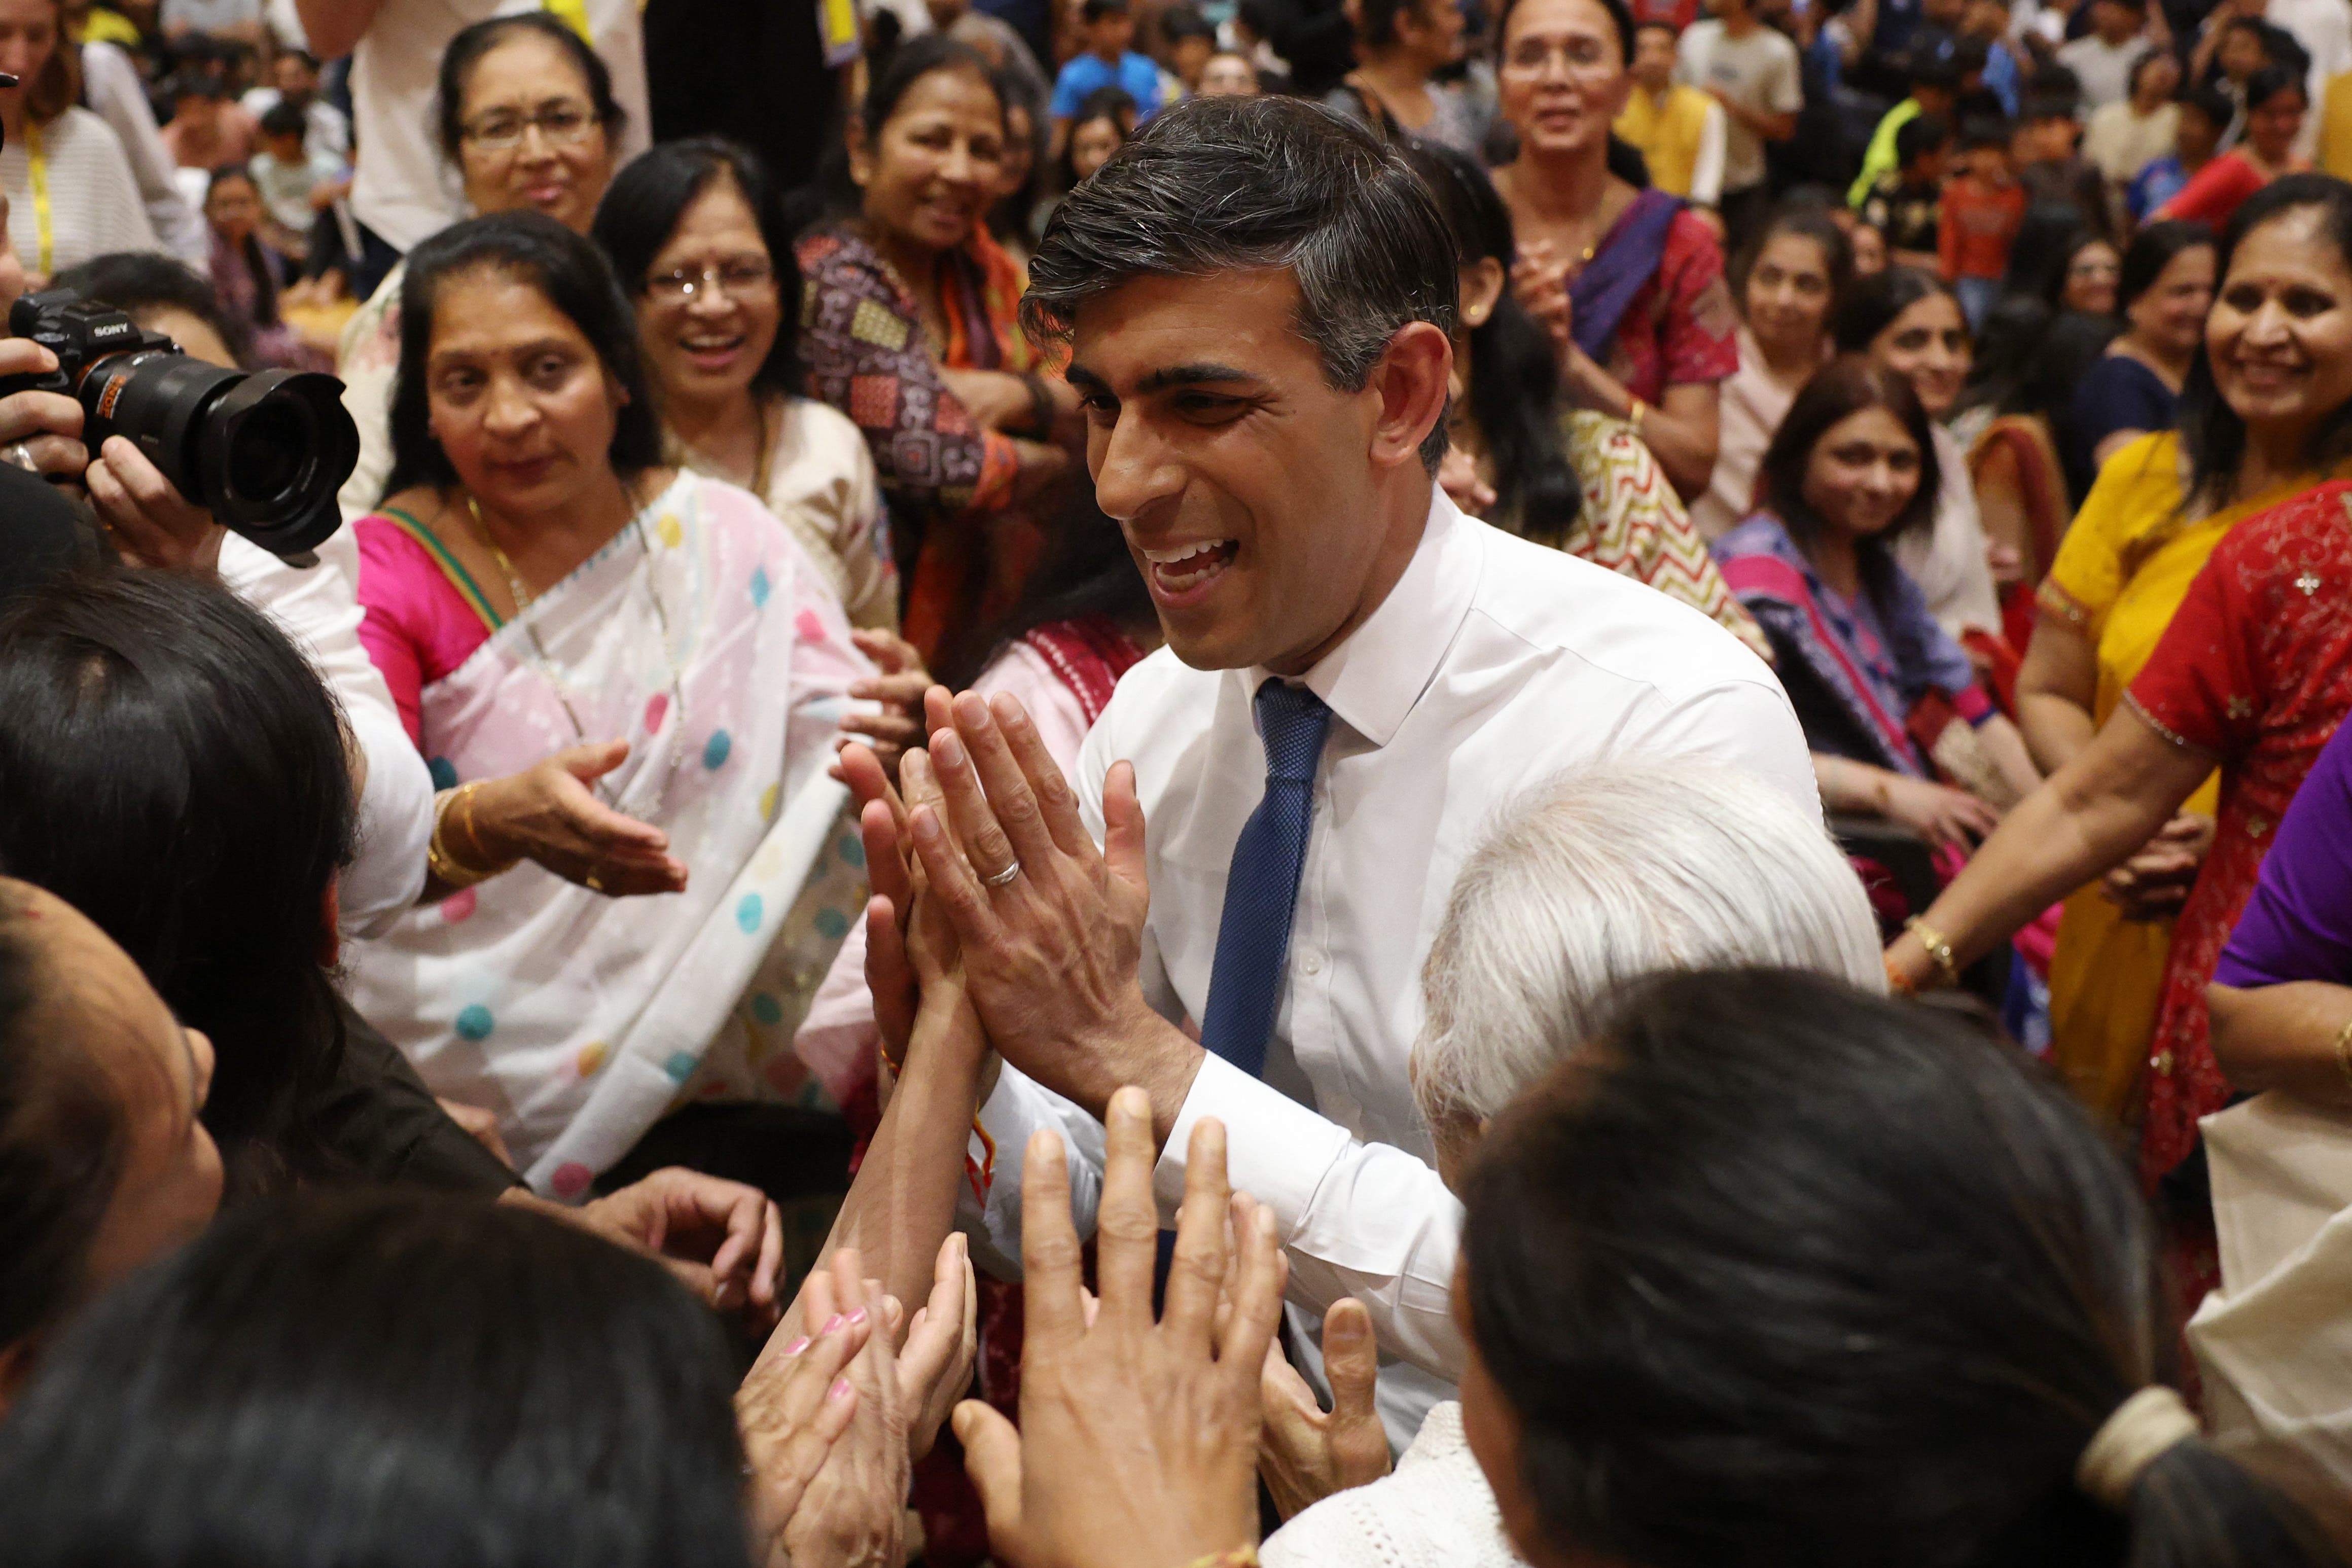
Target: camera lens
263,453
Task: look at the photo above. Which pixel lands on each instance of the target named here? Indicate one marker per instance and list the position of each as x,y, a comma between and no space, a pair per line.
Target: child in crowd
207,131
2043,150
1982,207
2103,59
2201,118
1100,127
1187,40
1106,61
296,185
1935,89
1228,74
1905,205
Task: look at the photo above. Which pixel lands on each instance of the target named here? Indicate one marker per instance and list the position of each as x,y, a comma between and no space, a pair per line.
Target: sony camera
264,452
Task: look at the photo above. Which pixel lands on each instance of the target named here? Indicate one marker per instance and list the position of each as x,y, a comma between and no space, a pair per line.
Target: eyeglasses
746,277
562,124
1582,56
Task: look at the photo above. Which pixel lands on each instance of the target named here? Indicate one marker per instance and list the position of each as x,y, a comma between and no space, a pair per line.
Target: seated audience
2107,58
2276,101
526,117
1627,281
249,277
1099,127
2201,121
2163,290
294,79
1851,469
1934,84
1789,292
85,201
1228,74
1573,478
908,329
2042,151
699,237
538,579
2062,262
1870,253
2141,538
1104,59
1908,324
1400,44
295,185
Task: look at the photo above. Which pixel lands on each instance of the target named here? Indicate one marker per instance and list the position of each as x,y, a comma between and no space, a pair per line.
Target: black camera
264,452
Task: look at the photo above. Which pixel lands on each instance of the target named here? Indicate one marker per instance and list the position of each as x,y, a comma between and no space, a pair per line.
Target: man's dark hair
1094,11
282,118
2212,103
1934,70
1226,184
1984,130
1918,137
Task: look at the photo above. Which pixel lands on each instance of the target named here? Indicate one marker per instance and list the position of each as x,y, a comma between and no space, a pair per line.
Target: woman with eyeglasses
1629,281
529,120
696,232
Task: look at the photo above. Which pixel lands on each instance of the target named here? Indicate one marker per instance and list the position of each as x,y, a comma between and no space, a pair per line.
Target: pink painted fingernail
797,1346
858,1316
831,1323
840,1389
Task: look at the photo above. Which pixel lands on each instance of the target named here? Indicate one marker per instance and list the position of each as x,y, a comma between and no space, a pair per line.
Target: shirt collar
1373,677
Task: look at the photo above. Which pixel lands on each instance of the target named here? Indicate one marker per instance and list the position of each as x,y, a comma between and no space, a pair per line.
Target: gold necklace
552,672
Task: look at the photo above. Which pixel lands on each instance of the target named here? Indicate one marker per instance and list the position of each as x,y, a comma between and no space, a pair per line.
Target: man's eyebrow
1160,380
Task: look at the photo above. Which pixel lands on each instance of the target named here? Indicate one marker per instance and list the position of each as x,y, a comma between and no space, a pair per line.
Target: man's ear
1412,379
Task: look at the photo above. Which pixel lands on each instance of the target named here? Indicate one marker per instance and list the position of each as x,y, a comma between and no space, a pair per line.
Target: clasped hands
982,857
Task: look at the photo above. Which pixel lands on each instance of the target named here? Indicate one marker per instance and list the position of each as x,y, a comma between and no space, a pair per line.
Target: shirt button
1311,964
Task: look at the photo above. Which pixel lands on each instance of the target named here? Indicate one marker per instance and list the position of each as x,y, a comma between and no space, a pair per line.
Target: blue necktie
1262,888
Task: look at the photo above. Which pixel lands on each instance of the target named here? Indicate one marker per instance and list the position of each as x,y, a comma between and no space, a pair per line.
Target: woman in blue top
1874,680
2166,288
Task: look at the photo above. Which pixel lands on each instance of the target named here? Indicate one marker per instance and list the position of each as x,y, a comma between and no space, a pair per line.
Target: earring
1477,318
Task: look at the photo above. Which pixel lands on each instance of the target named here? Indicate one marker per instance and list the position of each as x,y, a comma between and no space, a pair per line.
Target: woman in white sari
537,582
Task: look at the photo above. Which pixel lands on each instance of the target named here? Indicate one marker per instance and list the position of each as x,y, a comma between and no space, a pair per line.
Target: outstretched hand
900,683
1311,1453
724,1239
549,813
1138,1443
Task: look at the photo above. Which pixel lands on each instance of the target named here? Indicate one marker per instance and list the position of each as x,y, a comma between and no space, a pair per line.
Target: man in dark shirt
1903,206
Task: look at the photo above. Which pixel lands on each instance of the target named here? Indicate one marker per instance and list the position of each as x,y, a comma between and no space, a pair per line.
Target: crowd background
1983,369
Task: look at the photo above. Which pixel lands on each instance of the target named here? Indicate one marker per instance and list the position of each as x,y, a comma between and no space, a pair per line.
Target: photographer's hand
151,523
39,430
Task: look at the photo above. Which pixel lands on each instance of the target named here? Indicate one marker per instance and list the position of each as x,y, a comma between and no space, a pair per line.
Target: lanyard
43,226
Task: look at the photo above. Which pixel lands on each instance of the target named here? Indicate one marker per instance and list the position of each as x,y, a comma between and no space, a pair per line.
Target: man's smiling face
1242,478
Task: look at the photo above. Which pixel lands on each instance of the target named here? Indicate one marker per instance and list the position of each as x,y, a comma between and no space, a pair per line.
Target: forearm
903,1203
1849,787
2056,727
2006,749
1682,440
2284,1037
333,27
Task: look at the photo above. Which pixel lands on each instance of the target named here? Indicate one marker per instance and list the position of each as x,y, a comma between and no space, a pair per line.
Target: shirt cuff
1276,1150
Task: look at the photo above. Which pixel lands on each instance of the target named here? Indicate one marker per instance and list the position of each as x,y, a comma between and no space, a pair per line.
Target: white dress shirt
1492,667
318,608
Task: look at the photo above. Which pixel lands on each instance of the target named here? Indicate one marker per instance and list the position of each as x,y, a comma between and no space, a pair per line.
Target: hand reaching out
549,813
724,1239
853,1513
790,1410
2153,884
899,686
1309,1453
936,1360
1138,1443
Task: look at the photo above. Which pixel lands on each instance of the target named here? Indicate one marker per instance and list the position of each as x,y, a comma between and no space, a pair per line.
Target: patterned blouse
1680,328
2254,671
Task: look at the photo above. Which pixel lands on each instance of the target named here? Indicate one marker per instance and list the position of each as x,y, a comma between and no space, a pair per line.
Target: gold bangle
1940,949
1633,415
440,858
2344,1050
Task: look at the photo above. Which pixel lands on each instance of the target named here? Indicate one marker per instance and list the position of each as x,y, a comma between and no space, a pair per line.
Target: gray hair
1227,184
1609,873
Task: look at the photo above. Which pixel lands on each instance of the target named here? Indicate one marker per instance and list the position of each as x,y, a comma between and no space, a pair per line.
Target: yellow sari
2121,572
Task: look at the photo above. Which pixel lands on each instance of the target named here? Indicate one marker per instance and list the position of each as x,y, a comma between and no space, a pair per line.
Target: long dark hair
1871,306
256,259
1840,389
1774,1272
466,51
891,72
1514,369
2047,242
2030,357
575,279
1086,569
174,770
642,207
390,1379
2211,434
2152,250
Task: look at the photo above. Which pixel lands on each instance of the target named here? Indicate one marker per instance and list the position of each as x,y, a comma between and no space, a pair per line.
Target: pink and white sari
704,635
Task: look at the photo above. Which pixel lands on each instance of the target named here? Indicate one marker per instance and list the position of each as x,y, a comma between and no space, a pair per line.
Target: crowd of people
1132,784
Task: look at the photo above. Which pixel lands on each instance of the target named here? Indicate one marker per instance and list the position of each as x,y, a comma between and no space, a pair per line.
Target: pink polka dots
457,906
572,1179
657,710
808,628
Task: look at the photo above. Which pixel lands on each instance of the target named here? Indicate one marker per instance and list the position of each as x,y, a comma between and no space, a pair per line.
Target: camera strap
44,223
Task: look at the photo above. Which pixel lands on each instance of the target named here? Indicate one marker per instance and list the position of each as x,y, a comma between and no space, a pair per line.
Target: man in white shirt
1752,71
2102,59
1259,301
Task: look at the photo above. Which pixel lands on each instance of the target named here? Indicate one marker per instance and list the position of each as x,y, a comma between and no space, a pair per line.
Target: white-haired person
1554,914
